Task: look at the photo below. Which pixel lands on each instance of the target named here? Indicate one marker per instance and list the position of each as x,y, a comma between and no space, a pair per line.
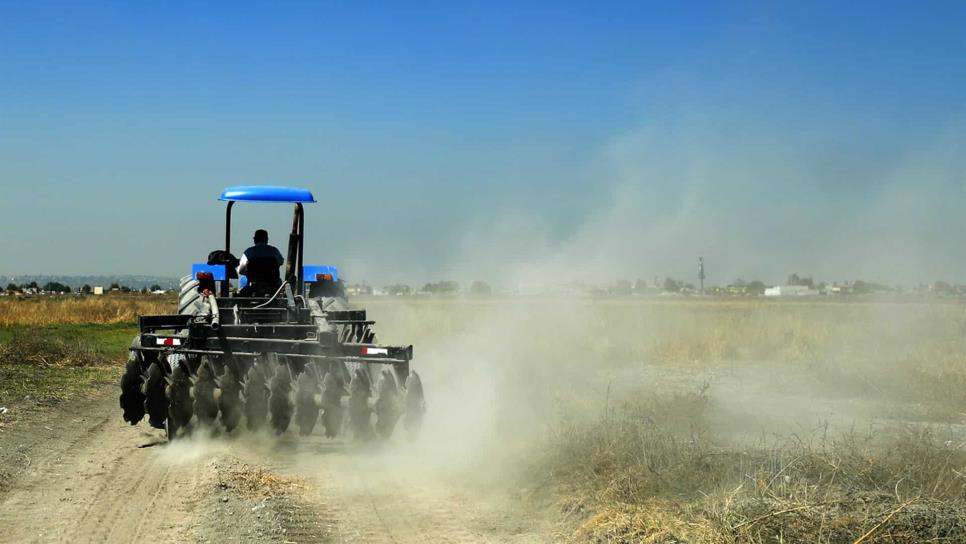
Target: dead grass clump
261,482
50,351
646,524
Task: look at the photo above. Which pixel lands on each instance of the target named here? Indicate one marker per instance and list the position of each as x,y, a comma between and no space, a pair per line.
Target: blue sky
507,141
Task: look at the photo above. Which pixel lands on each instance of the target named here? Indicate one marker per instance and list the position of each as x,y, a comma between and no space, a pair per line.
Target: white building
98,290
790,291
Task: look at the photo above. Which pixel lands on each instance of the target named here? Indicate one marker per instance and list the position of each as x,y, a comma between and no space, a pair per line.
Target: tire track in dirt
86,483
374,498
93,478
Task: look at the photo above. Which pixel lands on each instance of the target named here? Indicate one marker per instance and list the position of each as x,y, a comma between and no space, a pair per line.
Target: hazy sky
515,143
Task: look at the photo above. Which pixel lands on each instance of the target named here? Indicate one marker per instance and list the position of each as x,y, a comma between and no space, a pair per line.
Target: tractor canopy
266,193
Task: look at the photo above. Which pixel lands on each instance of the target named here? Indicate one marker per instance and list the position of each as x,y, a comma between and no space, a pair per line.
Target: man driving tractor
260,265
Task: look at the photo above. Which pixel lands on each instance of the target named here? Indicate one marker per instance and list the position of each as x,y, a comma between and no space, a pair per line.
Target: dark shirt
259,250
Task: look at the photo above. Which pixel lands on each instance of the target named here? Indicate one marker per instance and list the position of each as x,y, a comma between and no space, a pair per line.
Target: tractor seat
263,277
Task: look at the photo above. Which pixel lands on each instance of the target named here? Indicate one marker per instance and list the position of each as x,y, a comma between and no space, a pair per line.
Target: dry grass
109,309
657,473
261,482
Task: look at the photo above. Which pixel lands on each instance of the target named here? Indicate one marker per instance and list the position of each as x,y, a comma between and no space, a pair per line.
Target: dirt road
78,473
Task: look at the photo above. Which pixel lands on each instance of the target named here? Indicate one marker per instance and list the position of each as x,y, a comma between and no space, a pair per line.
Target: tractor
294,352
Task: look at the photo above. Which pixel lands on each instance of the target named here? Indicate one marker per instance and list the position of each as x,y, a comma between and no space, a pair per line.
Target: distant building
790,291
98,290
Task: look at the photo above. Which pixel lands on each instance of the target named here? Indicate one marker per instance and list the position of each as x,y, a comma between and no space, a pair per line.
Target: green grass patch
56,362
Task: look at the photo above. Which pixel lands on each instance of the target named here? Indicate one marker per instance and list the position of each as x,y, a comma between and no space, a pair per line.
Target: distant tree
399,289
941,287
114,286
795,279
755,287
672,286
86,289
640,286
480,287
442,287
125,289
860,287
31,285
11,288
622,288
56,287
155,287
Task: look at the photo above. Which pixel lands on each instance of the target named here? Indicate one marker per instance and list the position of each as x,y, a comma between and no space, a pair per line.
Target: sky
515,143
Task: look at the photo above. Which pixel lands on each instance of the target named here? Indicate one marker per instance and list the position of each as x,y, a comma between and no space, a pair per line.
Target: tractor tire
189,299
132,399
155,400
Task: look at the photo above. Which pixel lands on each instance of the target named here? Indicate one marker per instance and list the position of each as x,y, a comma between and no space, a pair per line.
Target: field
613,420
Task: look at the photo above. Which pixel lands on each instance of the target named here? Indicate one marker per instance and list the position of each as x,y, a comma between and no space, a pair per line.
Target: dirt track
78,473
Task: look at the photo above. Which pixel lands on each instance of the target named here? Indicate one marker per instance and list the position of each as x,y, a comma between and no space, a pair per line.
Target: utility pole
701,273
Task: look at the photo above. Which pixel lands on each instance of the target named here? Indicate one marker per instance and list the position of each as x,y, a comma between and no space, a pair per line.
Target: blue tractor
269,354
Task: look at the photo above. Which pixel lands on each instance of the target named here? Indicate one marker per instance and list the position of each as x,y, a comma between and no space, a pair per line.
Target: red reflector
323,277
202,276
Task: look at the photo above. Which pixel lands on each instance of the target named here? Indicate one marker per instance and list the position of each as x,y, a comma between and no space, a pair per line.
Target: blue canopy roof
267,193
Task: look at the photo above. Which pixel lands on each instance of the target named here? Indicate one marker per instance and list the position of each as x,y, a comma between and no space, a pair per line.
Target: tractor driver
260,265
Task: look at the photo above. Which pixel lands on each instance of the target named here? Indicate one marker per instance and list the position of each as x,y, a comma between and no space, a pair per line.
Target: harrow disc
308,398
180,406
280,402
203,392
333,389
388,406
415,405
256,396
229,401
155,400
360,412
132,398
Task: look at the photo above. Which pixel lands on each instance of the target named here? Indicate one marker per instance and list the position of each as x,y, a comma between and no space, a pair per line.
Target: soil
76,472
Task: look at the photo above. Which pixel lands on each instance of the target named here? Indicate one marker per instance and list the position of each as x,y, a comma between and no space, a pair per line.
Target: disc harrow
235,356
